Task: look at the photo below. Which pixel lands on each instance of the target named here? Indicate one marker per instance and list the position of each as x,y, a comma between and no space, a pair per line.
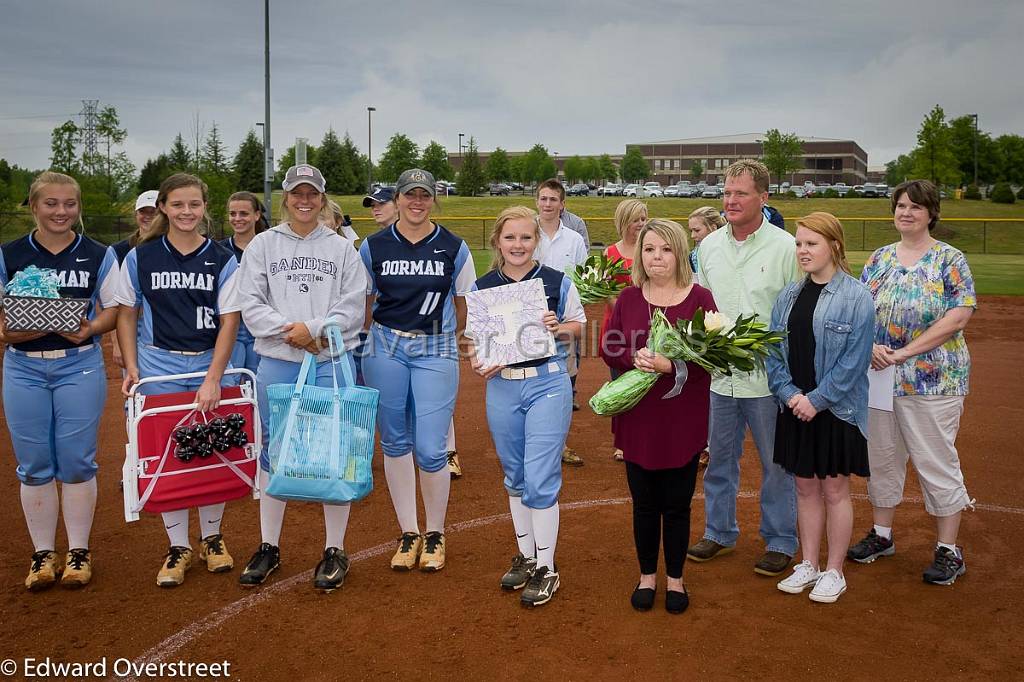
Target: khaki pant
922,428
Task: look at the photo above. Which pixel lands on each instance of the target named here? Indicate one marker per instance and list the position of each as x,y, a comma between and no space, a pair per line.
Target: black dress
826,445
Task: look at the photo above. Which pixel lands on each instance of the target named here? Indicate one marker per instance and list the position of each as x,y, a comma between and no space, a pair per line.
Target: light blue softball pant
273,371
53,409
529,420
418,379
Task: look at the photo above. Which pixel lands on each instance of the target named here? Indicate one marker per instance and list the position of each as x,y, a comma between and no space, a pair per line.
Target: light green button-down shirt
746,277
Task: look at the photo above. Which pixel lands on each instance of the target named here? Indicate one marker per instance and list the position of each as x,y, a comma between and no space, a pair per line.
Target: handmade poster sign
505,323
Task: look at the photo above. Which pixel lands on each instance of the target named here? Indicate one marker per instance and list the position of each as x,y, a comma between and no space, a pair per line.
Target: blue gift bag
321,439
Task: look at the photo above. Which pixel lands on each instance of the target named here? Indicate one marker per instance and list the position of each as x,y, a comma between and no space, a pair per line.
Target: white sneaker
828,588
804,576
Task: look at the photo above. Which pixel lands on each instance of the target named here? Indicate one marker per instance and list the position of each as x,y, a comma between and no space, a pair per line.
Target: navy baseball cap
382,195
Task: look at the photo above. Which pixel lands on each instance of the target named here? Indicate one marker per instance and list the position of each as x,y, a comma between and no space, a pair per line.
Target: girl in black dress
820,378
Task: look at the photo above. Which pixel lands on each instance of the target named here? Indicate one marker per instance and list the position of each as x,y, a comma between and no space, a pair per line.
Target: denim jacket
844,328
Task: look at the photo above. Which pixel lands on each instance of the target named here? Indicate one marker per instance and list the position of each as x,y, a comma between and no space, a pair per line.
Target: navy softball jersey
415,283
86,269
181,295
563,300
121,250
229,244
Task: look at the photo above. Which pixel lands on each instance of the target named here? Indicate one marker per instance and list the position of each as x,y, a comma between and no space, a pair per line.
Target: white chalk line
186,635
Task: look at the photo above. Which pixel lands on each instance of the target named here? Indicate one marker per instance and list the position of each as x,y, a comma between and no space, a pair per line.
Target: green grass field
992,237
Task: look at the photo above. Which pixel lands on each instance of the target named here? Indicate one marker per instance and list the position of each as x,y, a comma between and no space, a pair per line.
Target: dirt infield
457,623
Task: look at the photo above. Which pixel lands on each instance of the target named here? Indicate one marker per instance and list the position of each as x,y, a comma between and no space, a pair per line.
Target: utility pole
89,136
268,158
369,149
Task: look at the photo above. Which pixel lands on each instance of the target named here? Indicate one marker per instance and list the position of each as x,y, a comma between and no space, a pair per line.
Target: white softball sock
176,525
545,531
336,523
271,512
79,504
210,516
400,473
522,523
40,504
435,486
451,435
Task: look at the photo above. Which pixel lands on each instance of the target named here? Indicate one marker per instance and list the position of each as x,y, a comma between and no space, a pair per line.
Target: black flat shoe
676,602
643,598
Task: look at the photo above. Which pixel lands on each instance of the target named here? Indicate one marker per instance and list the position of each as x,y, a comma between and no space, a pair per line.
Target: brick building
824,160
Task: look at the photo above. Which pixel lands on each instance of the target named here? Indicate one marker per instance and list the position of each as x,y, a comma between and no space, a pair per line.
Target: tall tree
400,155
471,175
215,154
899,169
330,159
249,163
608,170
634,166
781,153
515,169
538,165
1011,153
357,163
153,172
933,157
180,157
435,160
964,140
574,169
498,168
62,143
697,170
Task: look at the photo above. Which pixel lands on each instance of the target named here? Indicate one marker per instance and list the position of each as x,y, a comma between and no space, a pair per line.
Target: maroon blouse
658,434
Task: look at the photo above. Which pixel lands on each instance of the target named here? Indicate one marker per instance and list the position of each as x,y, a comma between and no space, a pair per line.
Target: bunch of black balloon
202,440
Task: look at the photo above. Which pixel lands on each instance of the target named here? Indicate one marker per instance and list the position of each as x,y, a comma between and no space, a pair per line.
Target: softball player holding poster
529,408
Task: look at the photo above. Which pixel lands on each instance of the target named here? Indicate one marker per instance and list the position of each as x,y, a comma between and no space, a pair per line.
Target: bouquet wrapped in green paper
709,340
596,278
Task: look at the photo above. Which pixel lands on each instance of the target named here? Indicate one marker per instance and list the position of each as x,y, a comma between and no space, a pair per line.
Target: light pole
461,135
268,153
369,148
975,117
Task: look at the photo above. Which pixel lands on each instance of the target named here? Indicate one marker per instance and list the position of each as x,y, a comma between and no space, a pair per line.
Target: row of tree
945,154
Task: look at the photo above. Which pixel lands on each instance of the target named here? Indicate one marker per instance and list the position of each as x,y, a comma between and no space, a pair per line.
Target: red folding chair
154,480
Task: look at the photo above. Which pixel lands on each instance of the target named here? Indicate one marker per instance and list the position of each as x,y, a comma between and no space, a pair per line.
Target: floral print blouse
910,300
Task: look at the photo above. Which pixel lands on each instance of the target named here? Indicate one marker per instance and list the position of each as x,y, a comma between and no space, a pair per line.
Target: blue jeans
730,418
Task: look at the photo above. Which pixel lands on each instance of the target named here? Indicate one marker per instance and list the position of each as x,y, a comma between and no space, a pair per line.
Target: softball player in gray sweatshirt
294,278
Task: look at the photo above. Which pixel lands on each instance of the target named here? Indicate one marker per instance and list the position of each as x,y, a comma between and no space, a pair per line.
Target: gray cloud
579,77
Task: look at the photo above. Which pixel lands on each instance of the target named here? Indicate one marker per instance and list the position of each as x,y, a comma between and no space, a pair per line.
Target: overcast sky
581,77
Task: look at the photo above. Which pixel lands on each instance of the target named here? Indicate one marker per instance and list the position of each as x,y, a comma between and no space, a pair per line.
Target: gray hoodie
287,278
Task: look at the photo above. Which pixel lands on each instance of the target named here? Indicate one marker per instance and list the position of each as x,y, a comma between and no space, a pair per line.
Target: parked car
711,192
611,189
496,189
798,191
689,192
883,190
672,191
630,190
652,191
578,190
445,188
870,190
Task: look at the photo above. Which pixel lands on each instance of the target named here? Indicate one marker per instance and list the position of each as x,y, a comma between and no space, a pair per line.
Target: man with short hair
560,248
746,264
